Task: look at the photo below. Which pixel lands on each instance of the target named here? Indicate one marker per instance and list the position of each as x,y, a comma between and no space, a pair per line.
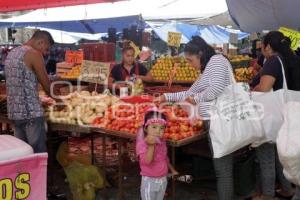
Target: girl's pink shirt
159,165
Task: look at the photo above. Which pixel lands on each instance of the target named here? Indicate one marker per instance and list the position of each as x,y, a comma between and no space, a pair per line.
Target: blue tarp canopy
82,26
211,33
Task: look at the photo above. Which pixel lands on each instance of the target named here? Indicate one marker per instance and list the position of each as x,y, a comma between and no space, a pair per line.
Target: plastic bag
64,157
288,142
84,180
235,121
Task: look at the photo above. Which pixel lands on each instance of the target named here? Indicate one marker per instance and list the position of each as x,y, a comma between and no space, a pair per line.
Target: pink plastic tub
23,175
24,178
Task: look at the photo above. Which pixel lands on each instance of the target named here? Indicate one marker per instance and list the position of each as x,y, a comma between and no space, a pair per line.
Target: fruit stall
93,115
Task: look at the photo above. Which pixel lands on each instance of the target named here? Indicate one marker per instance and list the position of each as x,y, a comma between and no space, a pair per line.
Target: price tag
74,56
293,35
94,72
174,39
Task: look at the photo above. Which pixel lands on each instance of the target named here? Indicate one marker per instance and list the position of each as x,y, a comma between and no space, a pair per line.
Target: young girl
151,150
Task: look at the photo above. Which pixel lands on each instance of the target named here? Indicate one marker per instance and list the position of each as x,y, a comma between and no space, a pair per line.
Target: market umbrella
259,15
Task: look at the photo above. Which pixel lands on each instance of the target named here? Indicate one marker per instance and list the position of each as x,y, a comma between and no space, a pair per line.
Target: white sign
95,72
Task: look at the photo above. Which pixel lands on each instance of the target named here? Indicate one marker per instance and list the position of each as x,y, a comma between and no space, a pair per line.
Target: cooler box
23,175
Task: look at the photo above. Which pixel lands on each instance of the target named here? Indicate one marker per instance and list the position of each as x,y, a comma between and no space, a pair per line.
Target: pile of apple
130,117
81,108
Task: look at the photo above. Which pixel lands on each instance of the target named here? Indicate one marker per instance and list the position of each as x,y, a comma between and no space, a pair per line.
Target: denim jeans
270,169
33,132
224,173
297,195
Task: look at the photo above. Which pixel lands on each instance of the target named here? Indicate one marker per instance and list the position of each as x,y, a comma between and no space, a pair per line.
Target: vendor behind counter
129,68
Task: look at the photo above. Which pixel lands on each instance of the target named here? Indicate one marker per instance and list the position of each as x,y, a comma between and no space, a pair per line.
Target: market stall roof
19,5
64,37
210,33
82,26
154,9
259,15
182,9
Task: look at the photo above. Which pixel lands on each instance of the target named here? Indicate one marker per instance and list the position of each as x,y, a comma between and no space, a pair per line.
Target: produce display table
172,144
121,137
127,136
161,82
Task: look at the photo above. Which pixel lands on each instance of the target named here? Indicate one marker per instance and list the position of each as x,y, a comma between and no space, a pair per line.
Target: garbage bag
84,180
65,158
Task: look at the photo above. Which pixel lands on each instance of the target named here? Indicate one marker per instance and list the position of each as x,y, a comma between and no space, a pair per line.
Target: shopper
25,70
215,77
275,47
151,150
128,68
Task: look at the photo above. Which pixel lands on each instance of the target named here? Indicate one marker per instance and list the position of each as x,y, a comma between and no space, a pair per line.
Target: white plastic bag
288,142
235,121
273,102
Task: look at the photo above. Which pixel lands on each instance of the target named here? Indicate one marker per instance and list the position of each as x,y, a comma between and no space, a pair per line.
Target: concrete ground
203,186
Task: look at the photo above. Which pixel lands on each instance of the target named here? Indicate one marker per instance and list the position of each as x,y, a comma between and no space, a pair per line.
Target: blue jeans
270,169
33,132
224,173
297,195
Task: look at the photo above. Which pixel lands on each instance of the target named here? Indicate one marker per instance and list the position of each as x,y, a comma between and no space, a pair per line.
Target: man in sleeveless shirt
24,71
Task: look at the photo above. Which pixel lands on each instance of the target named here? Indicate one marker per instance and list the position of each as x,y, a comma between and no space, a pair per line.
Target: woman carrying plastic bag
272,87
216,76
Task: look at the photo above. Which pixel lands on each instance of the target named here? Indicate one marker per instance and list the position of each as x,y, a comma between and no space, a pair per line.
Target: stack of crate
99,52
63,67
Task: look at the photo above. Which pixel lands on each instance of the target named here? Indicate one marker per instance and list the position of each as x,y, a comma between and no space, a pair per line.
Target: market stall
102,116
92,117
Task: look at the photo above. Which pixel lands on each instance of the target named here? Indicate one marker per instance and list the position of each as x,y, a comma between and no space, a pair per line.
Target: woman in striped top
215,77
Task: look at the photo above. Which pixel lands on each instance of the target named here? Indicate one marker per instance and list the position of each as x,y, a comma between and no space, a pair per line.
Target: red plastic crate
100,52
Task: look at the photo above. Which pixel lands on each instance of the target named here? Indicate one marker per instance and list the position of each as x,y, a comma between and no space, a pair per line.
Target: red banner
18,5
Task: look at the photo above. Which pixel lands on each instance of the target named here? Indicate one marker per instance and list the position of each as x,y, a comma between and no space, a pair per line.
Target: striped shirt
215,78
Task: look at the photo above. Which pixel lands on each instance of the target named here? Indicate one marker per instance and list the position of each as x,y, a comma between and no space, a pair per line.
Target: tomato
174,137
189,134
180,137
173,129
166,135
133,130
